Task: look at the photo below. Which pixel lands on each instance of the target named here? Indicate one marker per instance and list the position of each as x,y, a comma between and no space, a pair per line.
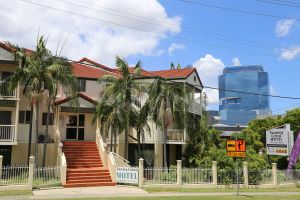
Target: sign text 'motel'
128,175
236,148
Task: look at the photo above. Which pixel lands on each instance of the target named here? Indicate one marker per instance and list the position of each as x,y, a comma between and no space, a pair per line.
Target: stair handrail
120,161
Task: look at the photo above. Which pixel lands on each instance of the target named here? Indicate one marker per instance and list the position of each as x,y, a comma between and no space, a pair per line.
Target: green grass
286,197
15,193
199,190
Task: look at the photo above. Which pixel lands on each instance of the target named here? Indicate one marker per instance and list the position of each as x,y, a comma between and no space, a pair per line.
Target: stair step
90,180
85,176
89,184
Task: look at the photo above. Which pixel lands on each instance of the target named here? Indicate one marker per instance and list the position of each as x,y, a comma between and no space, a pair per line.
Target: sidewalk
126,191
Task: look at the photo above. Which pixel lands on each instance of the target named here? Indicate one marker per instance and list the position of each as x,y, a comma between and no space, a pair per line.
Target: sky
190,32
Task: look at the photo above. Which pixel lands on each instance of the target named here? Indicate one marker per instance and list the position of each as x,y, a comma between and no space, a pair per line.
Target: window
51,119
233,101
82,85
24,117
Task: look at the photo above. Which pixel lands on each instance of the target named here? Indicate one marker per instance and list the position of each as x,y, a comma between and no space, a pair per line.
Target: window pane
81,120
21,117
27,117
82,85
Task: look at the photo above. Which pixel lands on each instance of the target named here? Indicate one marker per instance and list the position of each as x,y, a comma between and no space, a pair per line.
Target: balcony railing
5,93
175,136
196,108
7,134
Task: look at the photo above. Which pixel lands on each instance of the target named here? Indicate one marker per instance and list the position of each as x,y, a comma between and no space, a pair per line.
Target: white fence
46,177
160,175
14,175
196,176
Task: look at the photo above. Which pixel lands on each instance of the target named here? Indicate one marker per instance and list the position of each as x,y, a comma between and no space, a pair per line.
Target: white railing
175,135
195,108
14,175
161,175
47,177
120,161
5,93
196,176
63,168
7,133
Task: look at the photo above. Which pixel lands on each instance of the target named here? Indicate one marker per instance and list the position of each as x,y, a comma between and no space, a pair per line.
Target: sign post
236,148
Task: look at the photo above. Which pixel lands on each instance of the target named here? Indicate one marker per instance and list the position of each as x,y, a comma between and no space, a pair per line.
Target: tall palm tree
168,102
125,87
61,73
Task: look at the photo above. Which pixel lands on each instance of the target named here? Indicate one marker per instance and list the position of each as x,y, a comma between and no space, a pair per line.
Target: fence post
215,173
1,159
31,172
179,172
245,173
141,172
274,174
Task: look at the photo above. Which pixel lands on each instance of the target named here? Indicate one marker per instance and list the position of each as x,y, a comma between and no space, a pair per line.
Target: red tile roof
80,94
7,47
85,71
174,73
84,59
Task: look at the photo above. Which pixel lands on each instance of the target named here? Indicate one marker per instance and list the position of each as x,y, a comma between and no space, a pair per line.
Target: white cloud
272,90
289,53
209,68
95,39
284,27
236,62
175,46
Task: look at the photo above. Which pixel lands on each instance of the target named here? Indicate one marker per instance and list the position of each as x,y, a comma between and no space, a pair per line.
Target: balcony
5,94
195,108
175,136
8,135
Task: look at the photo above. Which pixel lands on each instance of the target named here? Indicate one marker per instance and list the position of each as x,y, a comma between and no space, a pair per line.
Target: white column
1,160
215,173
179,172
17,114
141,172
274,174
30,173
245,173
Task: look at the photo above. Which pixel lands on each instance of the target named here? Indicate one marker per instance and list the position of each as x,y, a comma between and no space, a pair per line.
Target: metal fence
196,175
259,177
46,177
160,175
14,175
227,177
284,178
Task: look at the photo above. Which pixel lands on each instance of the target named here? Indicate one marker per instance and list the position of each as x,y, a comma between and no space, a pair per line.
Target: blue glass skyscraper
239,108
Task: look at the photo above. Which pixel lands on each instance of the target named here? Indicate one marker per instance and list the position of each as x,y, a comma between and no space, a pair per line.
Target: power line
279,4
250,93
237,10
143,30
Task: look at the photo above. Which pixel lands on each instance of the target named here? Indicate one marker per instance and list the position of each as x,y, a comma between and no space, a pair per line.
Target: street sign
236,148
280,141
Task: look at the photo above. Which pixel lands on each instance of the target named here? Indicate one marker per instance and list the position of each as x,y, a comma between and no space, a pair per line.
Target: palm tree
168,103
140,123
111,117
61,73
41,70
125,87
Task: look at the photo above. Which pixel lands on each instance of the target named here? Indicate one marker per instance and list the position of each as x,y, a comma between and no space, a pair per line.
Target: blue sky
100,30
283,74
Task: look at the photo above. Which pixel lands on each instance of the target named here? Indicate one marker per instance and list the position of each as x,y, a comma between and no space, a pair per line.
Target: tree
172,66
168,102
125,88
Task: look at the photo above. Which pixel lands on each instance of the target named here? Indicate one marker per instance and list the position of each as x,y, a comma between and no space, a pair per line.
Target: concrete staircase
84,166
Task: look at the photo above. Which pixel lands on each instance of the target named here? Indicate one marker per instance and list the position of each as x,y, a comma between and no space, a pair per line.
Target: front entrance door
75,127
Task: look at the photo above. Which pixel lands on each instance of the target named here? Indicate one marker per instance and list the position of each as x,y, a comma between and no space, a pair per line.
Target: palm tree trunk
46,135
165,145
115,141
139,144
37,109
126,144
30,133
111,140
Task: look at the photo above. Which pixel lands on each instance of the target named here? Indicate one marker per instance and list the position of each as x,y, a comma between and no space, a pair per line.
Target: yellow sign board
236,154
230,146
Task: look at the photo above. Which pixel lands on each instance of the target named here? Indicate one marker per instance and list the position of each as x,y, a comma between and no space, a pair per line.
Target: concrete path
126,191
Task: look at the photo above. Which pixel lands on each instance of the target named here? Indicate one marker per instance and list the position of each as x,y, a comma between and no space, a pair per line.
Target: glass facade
239,108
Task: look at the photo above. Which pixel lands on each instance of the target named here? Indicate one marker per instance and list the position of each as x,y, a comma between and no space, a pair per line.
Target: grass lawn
202,198
196,190
15,193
